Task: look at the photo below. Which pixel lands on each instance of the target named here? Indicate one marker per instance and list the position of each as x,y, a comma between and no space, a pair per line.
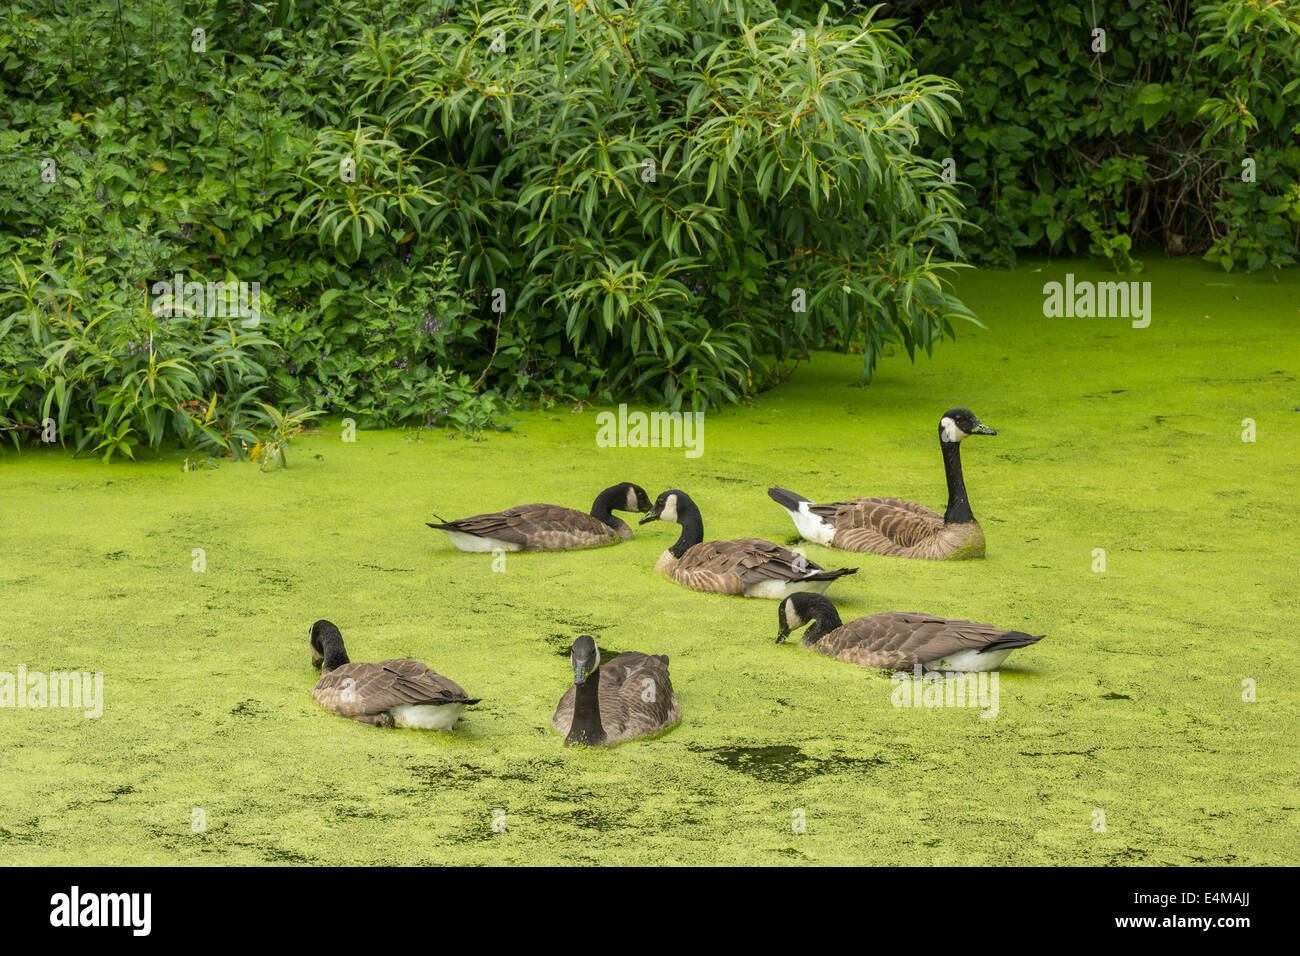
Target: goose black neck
586,727
602,509
692,522
331,644
958,506
827,620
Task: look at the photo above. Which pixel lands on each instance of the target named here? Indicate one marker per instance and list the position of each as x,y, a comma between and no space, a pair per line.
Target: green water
1109,437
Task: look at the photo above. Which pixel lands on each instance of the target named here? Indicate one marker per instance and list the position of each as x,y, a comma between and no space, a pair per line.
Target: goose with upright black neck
893,526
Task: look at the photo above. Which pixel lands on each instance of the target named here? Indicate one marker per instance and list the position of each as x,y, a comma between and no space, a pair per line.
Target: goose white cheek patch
950,430
670,509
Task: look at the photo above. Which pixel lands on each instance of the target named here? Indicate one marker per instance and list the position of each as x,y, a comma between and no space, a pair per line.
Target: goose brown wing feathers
729,567
873,524
538,527
902,639
636,698
356,690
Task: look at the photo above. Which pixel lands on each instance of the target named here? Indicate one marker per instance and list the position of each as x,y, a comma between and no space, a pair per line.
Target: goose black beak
982,429
648,518
780,638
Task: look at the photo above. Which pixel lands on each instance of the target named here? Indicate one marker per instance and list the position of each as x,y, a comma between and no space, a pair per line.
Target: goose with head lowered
628,696
896,527
898,639
549,527
395,693
752,567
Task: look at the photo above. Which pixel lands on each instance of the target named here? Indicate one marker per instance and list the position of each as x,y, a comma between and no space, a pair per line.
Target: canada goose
896,527
549,527
752,567
396,693
898,639
628,696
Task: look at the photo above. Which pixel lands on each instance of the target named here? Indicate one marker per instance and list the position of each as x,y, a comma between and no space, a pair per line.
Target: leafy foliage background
1070,151
582,200
552,201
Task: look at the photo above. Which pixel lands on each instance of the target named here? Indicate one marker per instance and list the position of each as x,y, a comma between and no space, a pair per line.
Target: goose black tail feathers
832,575
786,499
1012,640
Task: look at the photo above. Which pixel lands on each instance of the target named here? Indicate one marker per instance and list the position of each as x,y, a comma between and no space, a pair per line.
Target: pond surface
1110,438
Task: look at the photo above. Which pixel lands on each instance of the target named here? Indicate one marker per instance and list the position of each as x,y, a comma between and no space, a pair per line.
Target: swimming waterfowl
628,696
549,527
896,527
752,567
898,639
395,693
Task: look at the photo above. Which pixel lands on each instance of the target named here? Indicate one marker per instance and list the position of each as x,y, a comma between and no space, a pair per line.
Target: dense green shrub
786,207
1073,151
647,186
171,160
384,350
578,200
110,375
113,371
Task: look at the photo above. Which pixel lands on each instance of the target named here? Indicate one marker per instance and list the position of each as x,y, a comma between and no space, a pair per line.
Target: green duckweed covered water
1110,437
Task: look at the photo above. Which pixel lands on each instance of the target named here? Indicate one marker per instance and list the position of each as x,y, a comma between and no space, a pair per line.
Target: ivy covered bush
1102,129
